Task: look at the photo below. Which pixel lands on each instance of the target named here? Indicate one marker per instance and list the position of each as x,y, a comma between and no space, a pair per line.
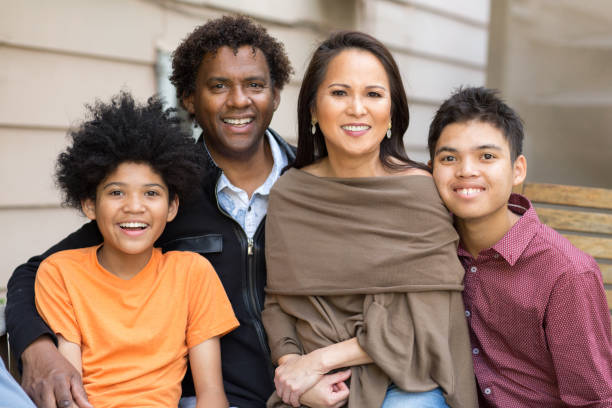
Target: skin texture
131,193
474,173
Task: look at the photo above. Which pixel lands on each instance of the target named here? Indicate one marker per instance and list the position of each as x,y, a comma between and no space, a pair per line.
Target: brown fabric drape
372,258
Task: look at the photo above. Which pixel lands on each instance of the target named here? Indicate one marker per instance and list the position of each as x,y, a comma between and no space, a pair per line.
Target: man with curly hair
127,168
228,74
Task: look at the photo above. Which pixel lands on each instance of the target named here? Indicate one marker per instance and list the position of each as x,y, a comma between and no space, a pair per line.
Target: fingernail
64,403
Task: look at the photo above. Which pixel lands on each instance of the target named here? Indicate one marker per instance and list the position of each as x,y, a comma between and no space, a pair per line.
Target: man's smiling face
234,100
473,170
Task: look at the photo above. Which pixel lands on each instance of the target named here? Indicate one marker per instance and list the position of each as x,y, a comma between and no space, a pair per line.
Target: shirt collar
280,161
513,244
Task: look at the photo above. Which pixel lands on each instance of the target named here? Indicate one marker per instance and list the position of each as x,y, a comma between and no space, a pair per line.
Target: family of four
378,281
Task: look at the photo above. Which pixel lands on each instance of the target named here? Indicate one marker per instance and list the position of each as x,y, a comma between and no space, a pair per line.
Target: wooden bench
583,215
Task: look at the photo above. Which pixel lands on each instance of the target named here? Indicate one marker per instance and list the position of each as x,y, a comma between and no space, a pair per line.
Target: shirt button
475,351
487,391
495,256
473,269
467,313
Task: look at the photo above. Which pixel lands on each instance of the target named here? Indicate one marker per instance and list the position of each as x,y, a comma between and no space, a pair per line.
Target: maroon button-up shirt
539,321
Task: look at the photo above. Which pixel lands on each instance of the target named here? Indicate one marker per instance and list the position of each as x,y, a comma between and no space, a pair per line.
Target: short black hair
233,32
123,131
482,105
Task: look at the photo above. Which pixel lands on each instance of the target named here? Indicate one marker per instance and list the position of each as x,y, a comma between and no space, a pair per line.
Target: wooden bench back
583,215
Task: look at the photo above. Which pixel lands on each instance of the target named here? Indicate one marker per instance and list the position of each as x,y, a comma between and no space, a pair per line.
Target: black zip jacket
200,226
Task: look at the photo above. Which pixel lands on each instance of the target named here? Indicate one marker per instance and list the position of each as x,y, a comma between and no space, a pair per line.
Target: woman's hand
330,392
296,374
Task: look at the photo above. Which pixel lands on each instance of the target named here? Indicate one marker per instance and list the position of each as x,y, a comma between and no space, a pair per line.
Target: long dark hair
312,147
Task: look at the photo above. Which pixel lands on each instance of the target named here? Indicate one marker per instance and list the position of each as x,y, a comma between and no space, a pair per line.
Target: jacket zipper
251,295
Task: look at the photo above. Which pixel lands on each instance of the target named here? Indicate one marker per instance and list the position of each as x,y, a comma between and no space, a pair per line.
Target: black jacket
200,226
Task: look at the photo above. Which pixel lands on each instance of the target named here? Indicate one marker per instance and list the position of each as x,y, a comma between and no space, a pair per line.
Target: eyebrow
117,183
348,86
224,79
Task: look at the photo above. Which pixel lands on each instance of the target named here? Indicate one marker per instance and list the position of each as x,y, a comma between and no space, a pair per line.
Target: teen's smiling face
353,104
473,170
131,208
234,100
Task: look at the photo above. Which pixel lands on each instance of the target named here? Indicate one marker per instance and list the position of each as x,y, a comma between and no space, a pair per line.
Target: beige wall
551,59
56,56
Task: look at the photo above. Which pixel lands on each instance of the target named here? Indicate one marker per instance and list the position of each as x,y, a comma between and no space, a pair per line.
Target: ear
172,208
276,97
188,103
429,164
88,206
519,170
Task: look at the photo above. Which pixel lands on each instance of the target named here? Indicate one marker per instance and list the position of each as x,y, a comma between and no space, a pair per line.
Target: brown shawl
372,258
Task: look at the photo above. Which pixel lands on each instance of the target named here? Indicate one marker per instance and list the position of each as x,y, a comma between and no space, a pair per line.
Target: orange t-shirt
134,334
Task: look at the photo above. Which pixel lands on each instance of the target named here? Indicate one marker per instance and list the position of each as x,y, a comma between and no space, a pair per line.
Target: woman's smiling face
353,104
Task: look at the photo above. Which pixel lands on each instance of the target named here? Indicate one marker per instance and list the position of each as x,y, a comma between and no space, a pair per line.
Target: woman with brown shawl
360,251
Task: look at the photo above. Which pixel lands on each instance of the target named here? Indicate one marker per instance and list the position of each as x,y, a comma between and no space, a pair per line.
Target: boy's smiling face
131,209
473,170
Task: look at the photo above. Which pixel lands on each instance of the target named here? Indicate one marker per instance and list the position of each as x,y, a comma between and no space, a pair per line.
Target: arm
330,392
296,374
579,338
205,360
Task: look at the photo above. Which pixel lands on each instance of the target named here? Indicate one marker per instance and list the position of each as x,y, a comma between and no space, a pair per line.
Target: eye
152,193
374,94
256,85
115,193
448,158
338,92
488,156
217,86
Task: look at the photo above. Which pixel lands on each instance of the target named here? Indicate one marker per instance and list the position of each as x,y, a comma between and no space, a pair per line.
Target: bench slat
576,220
569,195
596,247
606,273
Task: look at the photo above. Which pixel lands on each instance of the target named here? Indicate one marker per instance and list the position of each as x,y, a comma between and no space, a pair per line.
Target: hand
330,392
49,379
295,375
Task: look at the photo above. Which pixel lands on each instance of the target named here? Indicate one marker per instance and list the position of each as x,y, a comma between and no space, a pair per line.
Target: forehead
356,67
132,172
245,62
471,136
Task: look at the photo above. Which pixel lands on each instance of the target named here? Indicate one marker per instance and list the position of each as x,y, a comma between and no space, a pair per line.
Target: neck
248,171
353,167
122,265
479,234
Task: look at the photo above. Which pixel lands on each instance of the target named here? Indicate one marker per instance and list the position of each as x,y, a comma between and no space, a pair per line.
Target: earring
389,131
313,129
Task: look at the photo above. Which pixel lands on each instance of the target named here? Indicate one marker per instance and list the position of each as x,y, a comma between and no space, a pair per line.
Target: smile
133,225
238,122
468,191
355,128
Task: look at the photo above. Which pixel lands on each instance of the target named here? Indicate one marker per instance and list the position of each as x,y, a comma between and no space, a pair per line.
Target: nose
133,203
467,168
356,107
238,98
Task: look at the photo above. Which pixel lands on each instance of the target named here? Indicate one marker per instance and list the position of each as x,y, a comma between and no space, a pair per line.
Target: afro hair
233,32
124,131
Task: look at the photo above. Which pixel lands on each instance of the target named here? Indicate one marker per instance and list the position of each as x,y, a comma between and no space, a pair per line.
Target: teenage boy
537,312
126,169
228,73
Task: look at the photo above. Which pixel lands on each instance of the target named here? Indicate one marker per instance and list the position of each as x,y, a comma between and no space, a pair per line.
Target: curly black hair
125,131
231,31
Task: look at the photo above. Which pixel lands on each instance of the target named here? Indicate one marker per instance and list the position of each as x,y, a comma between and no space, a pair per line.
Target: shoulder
560,254
186,262
413,171
79,256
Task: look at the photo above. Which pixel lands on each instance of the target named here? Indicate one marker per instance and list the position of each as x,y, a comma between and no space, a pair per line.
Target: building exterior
57,56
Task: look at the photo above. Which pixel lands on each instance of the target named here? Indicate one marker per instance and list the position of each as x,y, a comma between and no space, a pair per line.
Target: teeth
468,191
238,121
133,225
351,128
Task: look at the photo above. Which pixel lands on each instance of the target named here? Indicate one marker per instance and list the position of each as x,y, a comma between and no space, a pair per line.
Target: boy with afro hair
125,314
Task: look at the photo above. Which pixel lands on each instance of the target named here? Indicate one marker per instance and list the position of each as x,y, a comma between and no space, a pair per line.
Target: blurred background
549,58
